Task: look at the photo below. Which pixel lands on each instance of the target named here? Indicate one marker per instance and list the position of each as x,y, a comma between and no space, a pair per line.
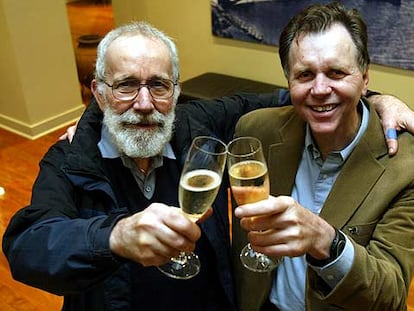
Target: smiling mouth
325,108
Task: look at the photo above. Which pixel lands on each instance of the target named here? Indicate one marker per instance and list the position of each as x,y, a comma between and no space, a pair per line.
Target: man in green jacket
341,210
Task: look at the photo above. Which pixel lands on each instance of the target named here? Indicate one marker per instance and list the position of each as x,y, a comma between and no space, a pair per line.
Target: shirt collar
344,153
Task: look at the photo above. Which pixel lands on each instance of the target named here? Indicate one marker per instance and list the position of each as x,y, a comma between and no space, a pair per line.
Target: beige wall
189,22
39,90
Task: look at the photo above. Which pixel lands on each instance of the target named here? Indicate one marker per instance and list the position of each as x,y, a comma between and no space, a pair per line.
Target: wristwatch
337,246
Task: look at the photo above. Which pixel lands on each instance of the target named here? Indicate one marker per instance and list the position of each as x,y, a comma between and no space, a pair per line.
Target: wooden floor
19,158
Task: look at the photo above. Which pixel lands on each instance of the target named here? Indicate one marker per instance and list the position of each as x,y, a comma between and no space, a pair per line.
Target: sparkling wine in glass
249,182
199,183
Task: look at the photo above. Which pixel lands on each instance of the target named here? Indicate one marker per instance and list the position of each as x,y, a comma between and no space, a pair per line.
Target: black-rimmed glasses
127,90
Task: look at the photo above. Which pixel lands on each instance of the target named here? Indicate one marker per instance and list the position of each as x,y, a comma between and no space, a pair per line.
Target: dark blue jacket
60,242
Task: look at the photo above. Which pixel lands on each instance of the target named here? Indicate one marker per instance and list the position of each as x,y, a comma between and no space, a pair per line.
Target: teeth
324,108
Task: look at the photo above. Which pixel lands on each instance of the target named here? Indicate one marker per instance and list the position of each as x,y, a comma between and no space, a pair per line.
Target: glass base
257,262
183,267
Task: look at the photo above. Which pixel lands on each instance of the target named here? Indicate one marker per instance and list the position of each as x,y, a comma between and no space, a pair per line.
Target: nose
144,101
321,85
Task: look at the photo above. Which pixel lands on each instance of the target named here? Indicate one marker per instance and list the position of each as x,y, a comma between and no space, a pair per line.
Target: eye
336,74
127,86
304,76
159,84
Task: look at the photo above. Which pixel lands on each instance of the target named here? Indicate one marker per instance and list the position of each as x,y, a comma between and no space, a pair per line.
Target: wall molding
36,130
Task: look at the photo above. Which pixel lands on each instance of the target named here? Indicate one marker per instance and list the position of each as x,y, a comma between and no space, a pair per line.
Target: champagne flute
249,182
199,183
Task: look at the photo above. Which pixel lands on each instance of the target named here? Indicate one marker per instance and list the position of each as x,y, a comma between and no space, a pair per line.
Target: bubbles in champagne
198,189
249,181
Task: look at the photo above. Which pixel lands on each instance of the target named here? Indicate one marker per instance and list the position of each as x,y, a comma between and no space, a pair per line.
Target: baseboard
33,131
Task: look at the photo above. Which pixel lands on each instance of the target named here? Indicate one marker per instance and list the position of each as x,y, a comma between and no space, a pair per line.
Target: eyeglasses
127,90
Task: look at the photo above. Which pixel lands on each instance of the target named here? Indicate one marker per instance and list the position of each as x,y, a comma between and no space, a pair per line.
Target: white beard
139,143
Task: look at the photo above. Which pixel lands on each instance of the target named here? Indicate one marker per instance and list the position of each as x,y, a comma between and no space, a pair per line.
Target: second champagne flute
199,183
249,182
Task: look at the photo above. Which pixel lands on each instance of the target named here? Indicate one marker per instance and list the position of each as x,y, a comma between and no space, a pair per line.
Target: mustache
131,117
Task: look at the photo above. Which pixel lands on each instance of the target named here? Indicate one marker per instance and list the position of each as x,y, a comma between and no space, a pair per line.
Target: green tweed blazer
372,201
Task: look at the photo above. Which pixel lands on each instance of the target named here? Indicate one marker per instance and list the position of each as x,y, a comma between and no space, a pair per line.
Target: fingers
391,133
272,205
391,139
63,136
275,213
294,232
179,224
154,235
69,134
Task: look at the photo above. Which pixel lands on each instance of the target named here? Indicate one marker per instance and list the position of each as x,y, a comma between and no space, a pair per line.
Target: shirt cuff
334,272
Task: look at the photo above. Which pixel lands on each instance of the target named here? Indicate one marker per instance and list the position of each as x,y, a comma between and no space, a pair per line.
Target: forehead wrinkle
138,56
323,48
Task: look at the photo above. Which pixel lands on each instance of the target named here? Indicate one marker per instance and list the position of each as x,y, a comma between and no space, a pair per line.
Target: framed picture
389,23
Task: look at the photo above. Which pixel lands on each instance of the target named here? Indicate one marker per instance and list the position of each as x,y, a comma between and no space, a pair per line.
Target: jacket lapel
363,169
284,155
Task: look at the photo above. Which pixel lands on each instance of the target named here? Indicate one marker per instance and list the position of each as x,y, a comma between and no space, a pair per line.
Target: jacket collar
83,154
362,169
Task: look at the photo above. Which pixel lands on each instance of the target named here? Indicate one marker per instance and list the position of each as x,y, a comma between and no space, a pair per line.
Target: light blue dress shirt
313,182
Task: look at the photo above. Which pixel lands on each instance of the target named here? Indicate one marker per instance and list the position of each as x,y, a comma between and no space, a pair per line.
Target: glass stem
180,260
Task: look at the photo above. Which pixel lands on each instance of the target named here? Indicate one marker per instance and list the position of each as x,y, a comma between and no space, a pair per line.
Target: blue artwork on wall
389,22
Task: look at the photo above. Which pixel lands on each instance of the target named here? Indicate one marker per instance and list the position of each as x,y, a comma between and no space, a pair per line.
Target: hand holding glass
199,183
249,182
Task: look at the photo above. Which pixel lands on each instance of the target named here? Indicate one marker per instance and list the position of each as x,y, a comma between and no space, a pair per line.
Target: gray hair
135,28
